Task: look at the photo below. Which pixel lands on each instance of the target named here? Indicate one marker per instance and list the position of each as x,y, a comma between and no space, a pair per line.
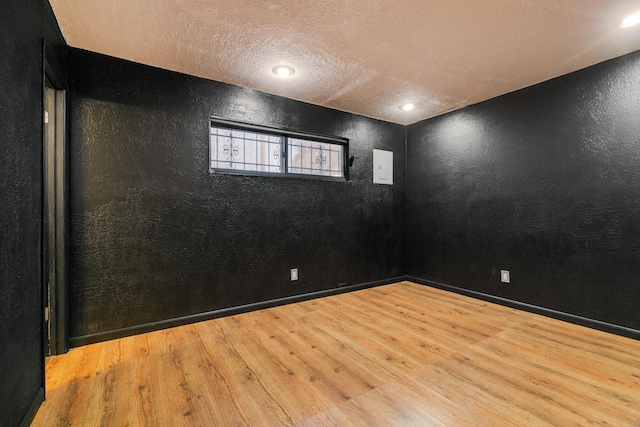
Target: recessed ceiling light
631,20
407,107
283,71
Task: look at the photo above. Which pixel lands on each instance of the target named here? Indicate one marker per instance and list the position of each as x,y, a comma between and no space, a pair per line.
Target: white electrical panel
383,167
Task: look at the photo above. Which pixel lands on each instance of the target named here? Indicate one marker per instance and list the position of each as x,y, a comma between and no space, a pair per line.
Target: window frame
285,135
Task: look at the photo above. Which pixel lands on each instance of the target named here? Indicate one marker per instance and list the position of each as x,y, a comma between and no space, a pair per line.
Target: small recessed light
283,71
631,20
407,107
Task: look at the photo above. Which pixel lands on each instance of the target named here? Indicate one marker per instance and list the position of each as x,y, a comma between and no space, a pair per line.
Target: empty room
277,213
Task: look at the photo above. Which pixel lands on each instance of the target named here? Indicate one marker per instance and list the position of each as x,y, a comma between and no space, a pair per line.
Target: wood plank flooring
396,355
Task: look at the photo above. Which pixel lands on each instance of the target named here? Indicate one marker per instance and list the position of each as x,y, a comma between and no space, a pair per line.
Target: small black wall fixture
351,160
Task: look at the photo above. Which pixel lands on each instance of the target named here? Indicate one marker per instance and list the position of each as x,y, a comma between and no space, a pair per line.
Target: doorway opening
55,219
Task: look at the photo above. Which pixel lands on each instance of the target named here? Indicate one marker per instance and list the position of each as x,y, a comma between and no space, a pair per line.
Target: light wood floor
396,355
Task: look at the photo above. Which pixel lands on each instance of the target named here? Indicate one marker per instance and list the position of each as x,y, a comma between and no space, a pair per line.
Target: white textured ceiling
362,56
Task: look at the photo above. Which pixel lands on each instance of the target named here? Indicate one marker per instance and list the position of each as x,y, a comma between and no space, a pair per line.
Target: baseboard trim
180,321
33,408
571,318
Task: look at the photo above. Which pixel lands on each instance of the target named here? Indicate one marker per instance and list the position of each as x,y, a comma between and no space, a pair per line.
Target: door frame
55,218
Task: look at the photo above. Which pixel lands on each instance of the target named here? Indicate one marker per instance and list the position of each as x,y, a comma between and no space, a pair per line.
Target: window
314,158
237,150
256,150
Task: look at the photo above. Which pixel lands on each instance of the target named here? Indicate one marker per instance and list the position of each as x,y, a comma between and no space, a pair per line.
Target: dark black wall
23,25
154,236
55,49
544,182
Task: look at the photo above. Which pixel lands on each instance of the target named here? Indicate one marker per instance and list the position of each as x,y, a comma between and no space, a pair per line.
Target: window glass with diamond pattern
249,151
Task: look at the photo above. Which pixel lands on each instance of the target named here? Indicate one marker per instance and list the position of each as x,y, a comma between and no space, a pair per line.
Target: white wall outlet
505,277
294,274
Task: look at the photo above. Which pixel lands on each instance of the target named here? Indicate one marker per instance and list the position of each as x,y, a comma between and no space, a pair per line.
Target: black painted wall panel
22,24
55,47
154,236
544,182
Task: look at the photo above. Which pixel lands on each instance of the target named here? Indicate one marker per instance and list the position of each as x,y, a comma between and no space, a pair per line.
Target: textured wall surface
21,332
154,236
544,182
55,47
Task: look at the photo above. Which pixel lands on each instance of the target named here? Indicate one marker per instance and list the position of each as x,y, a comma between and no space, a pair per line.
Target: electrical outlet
505,277
294,274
